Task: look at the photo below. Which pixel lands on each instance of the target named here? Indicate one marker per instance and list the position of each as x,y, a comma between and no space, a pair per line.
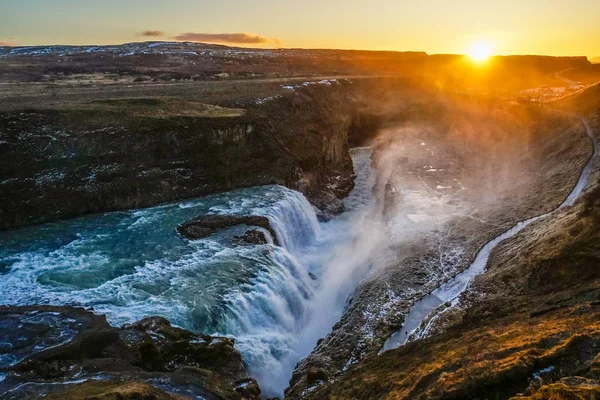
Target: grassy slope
158,107
99,390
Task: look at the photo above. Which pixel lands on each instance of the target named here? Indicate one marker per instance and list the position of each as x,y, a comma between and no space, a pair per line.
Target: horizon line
286,48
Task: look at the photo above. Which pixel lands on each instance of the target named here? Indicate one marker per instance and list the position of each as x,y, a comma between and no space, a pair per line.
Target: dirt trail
559,75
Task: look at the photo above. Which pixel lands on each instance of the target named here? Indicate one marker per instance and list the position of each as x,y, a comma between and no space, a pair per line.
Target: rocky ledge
71,353
205,225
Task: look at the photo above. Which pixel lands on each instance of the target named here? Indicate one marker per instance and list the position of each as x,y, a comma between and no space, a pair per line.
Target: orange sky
553,27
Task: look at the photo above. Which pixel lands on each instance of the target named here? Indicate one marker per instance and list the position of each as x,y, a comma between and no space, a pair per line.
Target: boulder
160,346
328,205
206,225
248,388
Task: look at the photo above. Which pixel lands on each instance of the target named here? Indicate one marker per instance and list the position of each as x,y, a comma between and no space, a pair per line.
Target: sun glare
481,51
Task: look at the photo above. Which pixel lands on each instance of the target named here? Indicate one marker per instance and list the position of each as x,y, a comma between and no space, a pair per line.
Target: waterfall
294,221
298,301
266,313
269,298
276,297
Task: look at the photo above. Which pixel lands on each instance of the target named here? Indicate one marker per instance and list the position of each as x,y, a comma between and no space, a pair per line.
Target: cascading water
338,260
130,265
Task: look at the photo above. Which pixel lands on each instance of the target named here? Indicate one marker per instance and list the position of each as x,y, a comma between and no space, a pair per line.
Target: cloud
152,33
239,38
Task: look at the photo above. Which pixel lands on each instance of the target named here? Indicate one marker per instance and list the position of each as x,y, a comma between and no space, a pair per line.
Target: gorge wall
446,177
121,154
527,328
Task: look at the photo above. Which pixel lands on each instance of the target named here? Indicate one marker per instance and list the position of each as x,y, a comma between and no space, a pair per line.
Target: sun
481,51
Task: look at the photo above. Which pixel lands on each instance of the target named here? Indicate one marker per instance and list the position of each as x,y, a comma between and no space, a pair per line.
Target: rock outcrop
47,349
205,225
250,237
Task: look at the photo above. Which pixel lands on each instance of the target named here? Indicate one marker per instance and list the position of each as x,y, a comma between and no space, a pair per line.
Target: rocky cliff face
121,154
529,328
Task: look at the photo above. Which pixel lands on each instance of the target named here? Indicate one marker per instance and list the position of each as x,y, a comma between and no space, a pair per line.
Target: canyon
241,239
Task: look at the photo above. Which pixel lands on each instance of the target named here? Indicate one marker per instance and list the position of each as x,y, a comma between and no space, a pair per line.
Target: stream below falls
277,301
413,328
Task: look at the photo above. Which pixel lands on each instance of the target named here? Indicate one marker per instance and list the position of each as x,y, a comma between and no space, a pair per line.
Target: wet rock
162,347
45,334
248,388
315,375
330,211
324,217
329,206
45,345
206,225
252,236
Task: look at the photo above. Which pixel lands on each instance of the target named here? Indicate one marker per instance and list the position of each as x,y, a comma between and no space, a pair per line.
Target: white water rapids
277,301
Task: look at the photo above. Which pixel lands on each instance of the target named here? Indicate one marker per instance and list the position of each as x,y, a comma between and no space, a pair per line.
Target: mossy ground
109,390
157,107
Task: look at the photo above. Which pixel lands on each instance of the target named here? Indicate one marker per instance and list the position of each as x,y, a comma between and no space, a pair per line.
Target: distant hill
148,62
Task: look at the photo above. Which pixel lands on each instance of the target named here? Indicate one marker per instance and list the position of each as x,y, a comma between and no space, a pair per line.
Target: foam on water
130,265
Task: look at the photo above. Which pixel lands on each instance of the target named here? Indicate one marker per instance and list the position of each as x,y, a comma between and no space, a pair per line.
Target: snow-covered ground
142,48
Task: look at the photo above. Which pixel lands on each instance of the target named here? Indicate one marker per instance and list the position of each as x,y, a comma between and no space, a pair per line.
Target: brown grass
157,107
107,390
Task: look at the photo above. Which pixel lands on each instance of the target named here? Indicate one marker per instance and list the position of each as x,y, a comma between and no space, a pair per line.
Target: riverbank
123,154
72,353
